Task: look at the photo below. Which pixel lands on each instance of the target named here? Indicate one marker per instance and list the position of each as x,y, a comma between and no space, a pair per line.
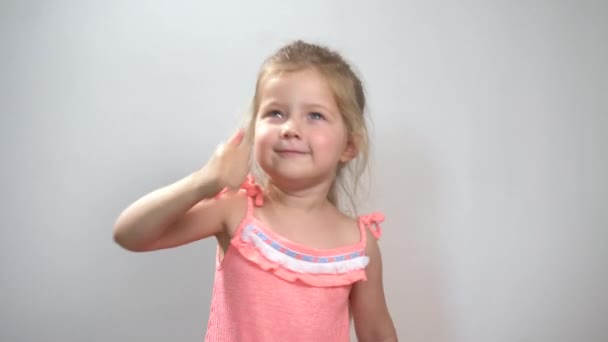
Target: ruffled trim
301,262
311,270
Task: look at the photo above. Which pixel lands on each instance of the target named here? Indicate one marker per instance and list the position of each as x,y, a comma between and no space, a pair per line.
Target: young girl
290,265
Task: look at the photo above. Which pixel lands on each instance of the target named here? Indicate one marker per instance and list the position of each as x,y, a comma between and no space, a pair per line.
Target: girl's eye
316,116
275,114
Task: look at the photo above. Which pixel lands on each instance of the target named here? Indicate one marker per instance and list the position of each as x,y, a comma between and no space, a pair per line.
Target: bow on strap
253,190
372,221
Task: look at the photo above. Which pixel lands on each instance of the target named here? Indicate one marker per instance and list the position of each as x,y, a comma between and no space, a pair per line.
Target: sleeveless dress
268,288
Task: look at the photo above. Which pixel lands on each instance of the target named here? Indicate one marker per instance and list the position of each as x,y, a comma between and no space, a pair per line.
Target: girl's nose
290,130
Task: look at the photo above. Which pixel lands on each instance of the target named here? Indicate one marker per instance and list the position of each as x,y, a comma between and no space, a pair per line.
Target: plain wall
490,158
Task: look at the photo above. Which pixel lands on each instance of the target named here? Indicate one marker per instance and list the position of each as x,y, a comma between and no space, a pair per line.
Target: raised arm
185,211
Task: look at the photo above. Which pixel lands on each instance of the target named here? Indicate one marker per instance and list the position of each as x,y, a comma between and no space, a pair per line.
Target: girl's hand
230,164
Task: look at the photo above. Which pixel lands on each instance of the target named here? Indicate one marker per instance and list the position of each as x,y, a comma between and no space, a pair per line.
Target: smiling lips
290,152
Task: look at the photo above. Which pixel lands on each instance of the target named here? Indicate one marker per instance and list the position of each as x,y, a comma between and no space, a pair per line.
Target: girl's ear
350,151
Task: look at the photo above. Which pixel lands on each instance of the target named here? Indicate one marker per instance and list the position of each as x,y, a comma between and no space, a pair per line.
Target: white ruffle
303,266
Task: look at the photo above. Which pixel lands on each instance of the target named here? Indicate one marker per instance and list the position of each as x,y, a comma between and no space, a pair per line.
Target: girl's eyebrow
317,105
270,103
325,109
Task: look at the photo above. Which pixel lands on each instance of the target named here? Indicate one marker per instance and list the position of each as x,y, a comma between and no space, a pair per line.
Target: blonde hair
349,96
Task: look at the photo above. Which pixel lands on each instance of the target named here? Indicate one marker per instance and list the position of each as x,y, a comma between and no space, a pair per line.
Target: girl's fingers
237,138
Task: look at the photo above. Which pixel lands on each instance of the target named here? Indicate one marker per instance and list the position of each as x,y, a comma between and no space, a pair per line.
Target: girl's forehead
302,84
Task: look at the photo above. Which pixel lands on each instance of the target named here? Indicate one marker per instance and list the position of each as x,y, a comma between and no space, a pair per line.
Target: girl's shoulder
239,202
361,227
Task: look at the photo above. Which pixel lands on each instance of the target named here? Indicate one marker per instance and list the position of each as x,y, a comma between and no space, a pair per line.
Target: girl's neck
305,200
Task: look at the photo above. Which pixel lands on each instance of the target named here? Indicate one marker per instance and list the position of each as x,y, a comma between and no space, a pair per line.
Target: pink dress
268,288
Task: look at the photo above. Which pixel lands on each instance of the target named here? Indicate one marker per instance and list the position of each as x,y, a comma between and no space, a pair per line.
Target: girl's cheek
260,133
262,129
261,139
327,138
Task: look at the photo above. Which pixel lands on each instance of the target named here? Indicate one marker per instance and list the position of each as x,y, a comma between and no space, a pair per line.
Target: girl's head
307,120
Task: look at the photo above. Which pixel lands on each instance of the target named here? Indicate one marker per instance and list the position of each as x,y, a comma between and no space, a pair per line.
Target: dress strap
252,190
372,222
255,196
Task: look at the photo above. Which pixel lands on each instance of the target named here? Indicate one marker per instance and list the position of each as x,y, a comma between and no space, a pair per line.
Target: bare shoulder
349,228
234,205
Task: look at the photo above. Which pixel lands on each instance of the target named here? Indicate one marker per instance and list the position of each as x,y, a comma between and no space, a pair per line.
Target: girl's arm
184,211
370,313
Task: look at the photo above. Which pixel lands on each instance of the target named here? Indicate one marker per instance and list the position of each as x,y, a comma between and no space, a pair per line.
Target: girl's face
299,132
